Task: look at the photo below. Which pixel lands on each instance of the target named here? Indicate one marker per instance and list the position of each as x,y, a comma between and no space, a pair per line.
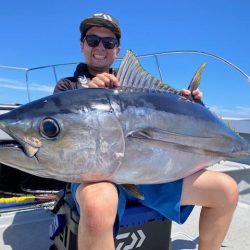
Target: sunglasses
108,42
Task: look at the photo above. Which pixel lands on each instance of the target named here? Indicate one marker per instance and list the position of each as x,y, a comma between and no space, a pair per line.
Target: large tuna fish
141,133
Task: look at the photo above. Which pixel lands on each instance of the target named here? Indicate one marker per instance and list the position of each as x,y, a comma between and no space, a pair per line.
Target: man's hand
197,94
104,80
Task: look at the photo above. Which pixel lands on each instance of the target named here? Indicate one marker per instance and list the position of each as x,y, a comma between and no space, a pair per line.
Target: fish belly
153,163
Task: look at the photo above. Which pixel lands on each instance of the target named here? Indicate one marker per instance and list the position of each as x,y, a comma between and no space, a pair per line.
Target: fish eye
49,128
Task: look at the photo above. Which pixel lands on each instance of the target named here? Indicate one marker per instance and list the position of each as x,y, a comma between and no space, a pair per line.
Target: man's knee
98,206
230,190
210,189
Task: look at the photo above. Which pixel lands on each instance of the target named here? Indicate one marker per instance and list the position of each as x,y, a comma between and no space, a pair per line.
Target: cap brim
99,22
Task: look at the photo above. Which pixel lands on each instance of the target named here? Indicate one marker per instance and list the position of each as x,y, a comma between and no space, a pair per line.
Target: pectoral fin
132,189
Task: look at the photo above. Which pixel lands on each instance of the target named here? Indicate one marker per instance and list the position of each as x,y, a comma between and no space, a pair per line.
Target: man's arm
64,84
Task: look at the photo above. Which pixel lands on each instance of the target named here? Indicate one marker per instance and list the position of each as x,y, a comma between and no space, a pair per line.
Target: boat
25,224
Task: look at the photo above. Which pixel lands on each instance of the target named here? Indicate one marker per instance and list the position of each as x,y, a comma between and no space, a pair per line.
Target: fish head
34,145
58,137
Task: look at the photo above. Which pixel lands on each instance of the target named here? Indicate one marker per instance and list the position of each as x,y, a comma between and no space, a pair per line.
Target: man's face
98,58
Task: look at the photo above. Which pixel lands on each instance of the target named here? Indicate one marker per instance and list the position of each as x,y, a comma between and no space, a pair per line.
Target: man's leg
98,207
217,193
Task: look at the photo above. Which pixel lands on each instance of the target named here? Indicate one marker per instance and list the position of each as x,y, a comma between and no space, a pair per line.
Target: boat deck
186,236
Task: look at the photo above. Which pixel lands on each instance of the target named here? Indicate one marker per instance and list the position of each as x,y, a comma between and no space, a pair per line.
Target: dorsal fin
133,77
195,82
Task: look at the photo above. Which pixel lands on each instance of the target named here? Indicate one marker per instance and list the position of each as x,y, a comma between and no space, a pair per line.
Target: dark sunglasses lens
109,42
92,41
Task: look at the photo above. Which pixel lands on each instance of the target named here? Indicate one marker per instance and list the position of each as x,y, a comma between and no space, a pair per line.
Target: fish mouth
28,147
19,155
11,144
28,150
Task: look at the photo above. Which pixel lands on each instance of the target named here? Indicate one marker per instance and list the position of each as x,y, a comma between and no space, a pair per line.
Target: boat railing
155,56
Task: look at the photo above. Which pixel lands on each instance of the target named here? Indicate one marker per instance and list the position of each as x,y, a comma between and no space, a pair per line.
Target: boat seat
141,228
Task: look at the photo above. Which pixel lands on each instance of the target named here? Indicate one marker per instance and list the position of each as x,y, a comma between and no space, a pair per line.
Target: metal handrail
244,74
153,55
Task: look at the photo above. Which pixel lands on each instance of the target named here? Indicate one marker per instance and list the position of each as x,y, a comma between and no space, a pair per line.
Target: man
101,205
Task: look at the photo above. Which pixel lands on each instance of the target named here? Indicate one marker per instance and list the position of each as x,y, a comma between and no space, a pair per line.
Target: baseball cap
101,20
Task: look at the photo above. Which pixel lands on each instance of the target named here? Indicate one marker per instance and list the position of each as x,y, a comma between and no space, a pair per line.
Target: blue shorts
163,198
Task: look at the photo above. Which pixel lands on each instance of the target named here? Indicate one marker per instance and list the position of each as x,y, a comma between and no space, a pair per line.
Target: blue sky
37,33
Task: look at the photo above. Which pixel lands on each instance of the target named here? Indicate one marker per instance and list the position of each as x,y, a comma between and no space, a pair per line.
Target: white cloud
238,111
21,85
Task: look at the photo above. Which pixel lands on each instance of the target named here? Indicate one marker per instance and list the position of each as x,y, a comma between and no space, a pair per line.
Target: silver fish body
138,137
